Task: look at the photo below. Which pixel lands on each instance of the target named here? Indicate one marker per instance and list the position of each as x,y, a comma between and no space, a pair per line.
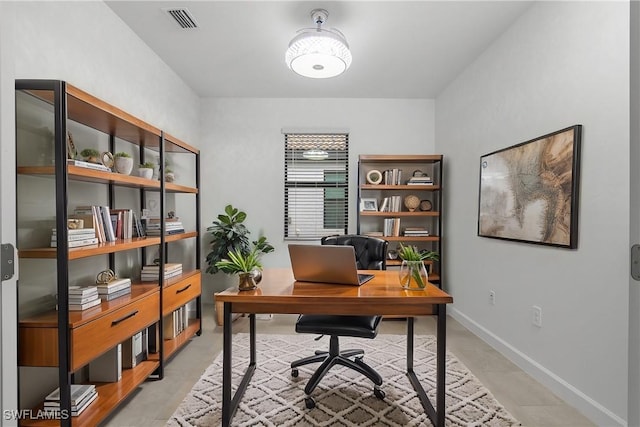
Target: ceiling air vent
182,16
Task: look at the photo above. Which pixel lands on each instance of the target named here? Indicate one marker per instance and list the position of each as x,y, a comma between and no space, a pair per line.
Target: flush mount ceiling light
318,53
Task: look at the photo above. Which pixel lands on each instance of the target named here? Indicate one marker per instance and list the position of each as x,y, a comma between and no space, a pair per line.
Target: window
316,193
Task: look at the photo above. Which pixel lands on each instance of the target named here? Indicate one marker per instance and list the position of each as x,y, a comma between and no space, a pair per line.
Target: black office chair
371,254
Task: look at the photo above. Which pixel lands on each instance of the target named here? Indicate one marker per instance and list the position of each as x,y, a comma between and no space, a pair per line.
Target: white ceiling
401,49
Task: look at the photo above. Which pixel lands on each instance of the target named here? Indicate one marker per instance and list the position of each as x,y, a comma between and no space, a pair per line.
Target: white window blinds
316,193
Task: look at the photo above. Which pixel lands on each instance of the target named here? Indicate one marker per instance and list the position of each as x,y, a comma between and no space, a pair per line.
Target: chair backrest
371,252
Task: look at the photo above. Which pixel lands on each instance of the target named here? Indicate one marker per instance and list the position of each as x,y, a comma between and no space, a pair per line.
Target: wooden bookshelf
70,340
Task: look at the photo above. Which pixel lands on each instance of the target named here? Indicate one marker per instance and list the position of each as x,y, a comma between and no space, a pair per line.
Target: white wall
89,46
634,225
243,156
8,317
86,44
561,63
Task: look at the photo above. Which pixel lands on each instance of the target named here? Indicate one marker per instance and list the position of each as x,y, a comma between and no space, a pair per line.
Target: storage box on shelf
400,200
49,189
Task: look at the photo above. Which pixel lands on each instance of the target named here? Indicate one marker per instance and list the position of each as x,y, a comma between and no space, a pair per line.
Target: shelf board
397,214
404,158
98,249
105,248
79,173
411,239
399,187
174,344
110,395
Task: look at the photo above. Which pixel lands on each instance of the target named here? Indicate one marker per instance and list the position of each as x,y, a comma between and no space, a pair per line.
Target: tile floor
527,400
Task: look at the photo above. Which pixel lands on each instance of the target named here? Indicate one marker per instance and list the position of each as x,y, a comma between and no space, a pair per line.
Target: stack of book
171,226
110,224
83,297
81,396
114,289
416,232
176,322
392,176
420,180
391,227
151,273
390,204
76,237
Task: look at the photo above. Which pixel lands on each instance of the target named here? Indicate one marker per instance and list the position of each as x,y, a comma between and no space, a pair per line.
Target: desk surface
278,292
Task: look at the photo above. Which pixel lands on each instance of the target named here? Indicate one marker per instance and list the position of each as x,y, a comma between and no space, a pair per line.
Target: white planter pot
124,165
145,173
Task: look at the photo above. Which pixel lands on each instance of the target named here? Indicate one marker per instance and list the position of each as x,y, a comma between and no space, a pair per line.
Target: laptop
334,264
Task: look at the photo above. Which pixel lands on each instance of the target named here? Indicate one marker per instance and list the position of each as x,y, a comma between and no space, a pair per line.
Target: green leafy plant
229,235
90,152
122,154
410,253
147,165
239,262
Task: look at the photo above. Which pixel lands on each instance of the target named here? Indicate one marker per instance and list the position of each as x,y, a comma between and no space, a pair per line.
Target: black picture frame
529,191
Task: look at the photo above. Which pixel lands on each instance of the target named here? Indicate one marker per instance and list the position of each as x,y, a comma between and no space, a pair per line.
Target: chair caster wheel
294,373
379,393
309,402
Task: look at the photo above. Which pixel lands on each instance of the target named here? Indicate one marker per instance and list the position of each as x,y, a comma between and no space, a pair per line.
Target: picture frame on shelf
529,191
368,204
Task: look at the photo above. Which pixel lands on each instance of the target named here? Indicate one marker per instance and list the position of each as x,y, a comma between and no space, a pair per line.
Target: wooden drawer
180,293
94,338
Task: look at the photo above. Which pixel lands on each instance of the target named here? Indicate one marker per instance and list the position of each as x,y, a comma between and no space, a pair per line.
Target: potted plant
230,234
245,264
123,163
91,155
413,274
145,170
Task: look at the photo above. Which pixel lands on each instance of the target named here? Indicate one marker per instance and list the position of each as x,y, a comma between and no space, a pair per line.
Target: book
75,409
109,232
116,294
76,231
133,351
108,367
77,243
78,392
85,306
76,300
83,290
114,286
88,165
169,266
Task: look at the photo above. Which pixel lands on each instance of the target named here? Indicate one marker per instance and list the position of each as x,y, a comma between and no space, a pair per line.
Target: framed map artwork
529,191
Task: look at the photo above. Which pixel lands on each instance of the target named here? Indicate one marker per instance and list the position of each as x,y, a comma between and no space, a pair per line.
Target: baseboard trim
583,403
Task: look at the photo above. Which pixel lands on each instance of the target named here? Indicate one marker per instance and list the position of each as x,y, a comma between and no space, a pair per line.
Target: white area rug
343,398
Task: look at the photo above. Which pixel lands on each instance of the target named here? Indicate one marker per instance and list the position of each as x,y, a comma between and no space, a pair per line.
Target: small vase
413,275
146,173
246,281
124,165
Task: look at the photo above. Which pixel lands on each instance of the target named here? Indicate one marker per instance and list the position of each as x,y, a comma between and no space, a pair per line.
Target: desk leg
436,417
229,405
441,362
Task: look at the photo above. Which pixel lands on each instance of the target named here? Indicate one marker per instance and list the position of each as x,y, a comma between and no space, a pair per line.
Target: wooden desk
279,293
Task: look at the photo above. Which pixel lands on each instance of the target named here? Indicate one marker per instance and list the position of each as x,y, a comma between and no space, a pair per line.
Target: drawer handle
122,319
183,289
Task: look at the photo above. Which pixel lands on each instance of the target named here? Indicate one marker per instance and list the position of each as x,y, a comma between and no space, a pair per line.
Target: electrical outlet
536,316
492,297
